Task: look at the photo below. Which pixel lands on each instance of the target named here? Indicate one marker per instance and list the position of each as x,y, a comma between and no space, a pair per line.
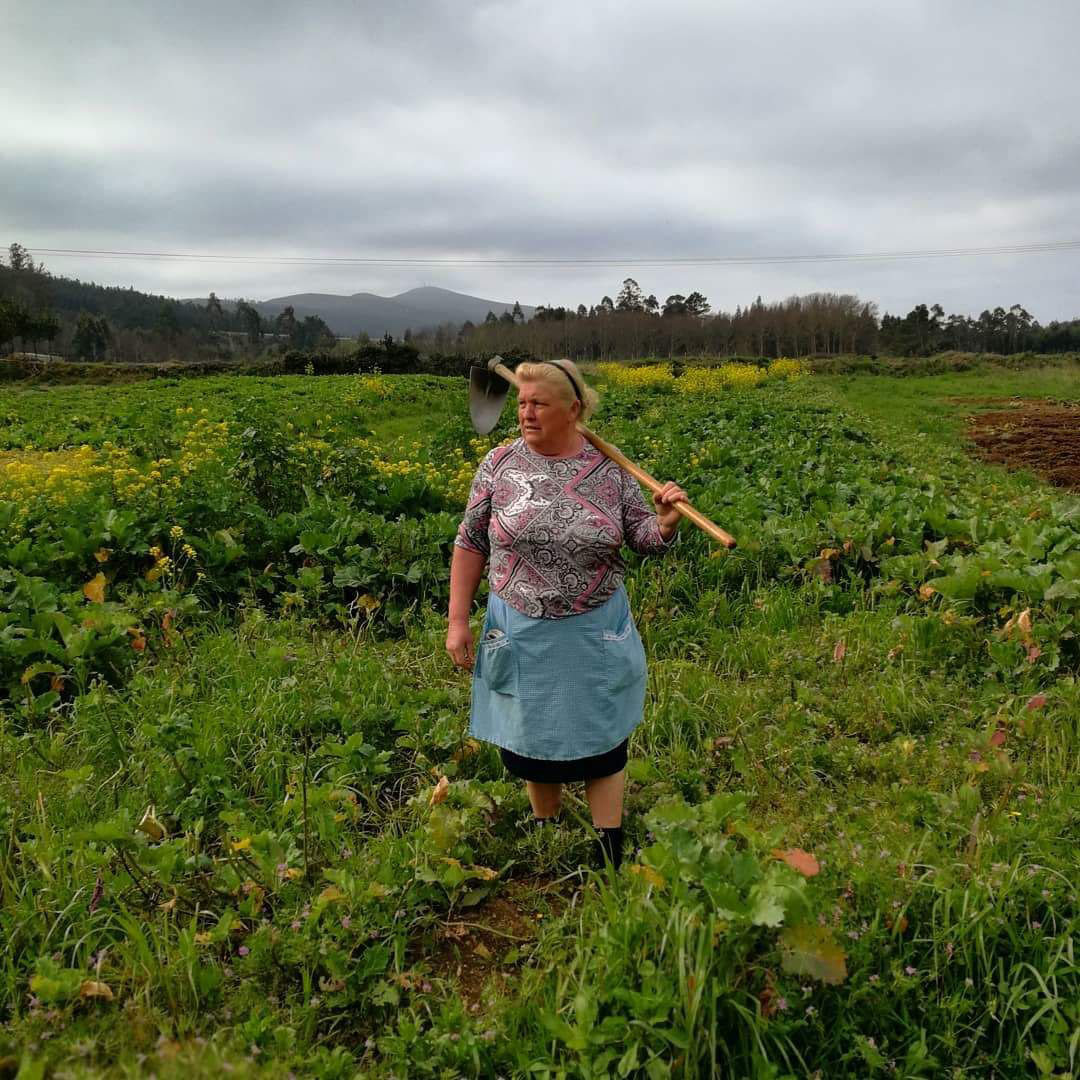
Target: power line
640,261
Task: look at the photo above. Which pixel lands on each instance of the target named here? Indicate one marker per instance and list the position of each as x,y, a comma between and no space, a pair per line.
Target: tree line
819,324
94,322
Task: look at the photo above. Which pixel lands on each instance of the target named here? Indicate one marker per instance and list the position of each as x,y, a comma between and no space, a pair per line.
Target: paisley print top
552,527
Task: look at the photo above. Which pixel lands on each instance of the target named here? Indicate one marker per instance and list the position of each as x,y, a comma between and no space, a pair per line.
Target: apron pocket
496,662
624,656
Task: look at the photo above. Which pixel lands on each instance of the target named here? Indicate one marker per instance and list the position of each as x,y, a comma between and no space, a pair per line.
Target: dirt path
1039,435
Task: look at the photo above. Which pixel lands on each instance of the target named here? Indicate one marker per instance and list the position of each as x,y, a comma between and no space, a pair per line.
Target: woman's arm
650,532
466,570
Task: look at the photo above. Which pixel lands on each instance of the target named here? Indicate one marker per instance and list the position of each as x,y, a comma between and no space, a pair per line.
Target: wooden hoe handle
639,474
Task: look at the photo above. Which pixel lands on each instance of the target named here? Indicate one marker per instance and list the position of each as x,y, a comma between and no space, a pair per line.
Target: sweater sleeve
640,525
472,533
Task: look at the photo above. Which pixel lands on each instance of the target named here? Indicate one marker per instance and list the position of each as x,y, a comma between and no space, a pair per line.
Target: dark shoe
609,845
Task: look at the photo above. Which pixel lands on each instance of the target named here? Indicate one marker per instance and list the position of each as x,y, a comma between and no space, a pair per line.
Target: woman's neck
571,446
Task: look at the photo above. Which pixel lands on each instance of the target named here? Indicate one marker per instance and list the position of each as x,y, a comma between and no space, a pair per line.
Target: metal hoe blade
487,395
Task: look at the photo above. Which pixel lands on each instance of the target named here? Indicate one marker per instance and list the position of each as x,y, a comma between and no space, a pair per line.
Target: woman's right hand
459,644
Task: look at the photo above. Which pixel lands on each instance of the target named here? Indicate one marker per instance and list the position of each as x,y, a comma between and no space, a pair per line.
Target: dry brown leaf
839,652
482,950
94,589
331,895
440,791
799,860
91,988
649,875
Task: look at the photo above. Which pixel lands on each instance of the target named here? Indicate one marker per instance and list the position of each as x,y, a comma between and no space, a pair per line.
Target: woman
559,676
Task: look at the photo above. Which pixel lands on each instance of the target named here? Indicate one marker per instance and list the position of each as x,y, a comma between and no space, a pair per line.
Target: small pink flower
243,950
295,924
781,1004
874,978
346,922
909,970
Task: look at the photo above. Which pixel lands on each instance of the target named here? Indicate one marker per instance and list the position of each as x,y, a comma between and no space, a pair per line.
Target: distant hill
415,310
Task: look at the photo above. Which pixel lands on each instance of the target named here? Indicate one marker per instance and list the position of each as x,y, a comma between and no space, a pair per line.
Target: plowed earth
1038,435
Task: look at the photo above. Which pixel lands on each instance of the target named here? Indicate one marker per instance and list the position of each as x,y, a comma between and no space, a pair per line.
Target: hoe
488,387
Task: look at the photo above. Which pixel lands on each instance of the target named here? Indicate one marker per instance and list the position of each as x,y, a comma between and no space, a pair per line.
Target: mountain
417,309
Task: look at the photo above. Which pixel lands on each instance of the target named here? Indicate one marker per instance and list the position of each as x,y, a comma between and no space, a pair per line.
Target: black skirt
564,772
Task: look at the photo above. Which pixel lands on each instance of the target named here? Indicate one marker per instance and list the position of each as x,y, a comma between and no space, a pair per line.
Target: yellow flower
176,532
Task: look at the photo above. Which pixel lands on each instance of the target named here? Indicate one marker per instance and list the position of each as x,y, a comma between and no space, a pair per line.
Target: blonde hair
560,385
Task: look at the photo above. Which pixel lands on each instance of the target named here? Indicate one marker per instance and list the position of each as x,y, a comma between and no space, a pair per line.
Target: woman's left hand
666,514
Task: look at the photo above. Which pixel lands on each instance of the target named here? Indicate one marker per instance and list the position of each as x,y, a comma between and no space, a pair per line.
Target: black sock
609,845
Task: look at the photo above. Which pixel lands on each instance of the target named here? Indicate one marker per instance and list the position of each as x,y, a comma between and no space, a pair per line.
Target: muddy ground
1042,436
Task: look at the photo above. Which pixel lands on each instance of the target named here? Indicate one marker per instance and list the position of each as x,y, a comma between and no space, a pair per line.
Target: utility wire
463,261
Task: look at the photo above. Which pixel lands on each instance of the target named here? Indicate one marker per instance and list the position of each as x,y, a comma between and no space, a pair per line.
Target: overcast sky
550,129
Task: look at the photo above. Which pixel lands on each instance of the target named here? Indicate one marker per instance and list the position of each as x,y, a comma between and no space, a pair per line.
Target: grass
939,404
310,911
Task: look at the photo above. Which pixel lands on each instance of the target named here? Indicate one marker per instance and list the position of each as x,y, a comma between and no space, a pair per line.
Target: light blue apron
558,689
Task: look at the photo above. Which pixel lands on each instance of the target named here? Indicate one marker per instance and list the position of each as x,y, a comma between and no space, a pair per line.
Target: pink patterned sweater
552,527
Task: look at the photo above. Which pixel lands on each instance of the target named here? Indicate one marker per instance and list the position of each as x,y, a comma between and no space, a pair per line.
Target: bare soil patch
481,947
1039,435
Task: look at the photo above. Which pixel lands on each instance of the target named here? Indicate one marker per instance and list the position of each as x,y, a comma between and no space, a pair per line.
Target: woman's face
546,421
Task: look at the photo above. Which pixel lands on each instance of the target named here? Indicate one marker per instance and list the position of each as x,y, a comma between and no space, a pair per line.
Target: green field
226,707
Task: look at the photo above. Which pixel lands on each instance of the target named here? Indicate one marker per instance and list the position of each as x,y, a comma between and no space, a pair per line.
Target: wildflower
782,1004
295,924
909,970
243,950
875,978
810,1010
346,922
189,551
969,982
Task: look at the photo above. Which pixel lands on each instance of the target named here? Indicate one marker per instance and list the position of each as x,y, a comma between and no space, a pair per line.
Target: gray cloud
550,130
